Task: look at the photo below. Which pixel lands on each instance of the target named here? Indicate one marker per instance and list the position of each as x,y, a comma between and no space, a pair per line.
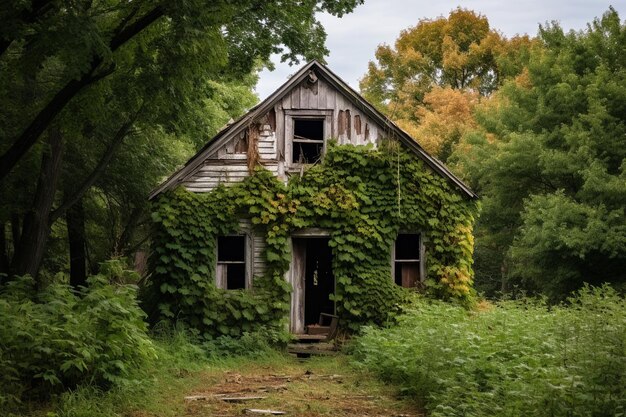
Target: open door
312,280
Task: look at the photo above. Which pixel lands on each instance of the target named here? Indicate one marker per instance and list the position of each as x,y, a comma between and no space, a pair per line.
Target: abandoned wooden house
286,134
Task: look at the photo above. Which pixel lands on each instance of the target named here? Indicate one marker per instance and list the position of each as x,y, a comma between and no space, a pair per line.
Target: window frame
311,114
221,277
421,261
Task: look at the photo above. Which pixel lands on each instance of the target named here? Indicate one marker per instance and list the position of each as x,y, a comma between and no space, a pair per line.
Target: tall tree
445,116
117,74
460,52
86,39
554,181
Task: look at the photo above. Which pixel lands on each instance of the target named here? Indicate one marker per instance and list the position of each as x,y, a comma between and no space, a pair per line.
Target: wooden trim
315,114
296,279
308,113
220,266
311,232
249,256
421,260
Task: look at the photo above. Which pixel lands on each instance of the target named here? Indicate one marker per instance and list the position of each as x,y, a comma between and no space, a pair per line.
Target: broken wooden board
198,397
260,411
241,399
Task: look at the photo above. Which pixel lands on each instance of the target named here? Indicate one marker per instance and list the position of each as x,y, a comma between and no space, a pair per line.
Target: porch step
310,338
308,349
317,329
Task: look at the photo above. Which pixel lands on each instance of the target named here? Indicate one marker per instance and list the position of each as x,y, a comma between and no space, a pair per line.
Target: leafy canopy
553,182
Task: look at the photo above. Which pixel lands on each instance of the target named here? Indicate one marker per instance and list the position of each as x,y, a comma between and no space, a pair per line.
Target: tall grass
518,358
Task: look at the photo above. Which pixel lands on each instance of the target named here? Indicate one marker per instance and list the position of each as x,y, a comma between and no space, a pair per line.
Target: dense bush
517,358
56,338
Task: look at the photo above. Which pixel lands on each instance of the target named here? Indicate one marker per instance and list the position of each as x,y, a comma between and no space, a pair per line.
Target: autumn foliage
438,69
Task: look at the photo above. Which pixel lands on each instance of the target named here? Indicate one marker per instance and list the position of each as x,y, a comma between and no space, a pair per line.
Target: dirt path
314,387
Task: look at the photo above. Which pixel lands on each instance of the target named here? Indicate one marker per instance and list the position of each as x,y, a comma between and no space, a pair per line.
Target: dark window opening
231,262
308,129
231,248
236,276
407,260
308,140
408,247
307,153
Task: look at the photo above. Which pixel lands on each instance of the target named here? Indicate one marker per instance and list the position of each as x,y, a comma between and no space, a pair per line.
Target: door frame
296,275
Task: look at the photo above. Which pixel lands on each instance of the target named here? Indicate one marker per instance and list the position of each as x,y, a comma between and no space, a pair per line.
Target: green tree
87,41
103,80
554,181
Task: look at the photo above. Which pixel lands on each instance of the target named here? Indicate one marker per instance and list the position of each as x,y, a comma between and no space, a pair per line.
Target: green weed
518,358
56,339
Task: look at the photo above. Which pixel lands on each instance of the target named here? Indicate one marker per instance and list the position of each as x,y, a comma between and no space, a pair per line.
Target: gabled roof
266,105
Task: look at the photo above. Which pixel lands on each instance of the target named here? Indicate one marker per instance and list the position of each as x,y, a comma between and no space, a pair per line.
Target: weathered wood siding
259,245
270,145
349,124
215,172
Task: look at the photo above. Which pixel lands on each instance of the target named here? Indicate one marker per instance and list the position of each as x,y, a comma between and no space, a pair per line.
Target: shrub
518,358
57,338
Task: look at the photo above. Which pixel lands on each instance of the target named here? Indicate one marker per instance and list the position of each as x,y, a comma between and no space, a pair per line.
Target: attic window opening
231,262
407,259
308,140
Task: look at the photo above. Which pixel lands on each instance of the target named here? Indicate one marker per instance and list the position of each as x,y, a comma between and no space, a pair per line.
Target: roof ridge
264,106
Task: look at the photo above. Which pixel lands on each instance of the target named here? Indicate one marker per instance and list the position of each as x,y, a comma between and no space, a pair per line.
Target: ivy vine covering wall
362,195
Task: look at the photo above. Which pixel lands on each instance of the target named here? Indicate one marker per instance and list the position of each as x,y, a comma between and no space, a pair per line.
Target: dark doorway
317,274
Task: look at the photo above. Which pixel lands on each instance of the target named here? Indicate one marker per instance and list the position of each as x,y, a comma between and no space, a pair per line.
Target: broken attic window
231,262
308,140
407,260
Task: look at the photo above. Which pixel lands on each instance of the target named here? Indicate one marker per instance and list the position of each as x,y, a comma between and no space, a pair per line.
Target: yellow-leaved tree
437,72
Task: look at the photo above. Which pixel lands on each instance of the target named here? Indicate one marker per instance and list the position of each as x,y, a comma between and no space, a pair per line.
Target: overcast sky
352,40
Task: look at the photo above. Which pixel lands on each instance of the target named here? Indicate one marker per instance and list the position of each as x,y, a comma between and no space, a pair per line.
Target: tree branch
96,173
43,119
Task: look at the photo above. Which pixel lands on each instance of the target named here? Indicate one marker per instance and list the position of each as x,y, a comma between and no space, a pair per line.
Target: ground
326,386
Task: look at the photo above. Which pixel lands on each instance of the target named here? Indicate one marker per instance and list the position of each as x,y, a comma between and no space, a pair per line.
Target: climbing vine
361,195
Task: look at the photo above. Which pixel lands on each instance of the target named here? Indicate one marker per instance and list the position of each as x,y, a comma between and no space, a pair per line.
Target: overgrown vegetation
550,164
56,339
89,352
362,195
516,358
544,146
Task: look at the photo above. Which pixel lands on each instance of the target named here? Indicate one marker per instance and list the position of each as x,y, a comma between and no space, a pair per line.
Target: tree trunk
504,284
4,256
36,227
16,230
123,242
75,218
